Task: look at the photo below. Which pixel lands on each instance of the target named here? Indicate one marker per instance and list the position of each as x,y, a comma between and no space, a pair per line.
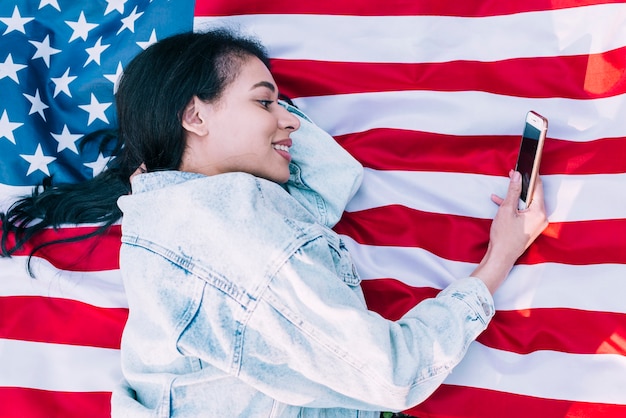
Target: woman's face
245,130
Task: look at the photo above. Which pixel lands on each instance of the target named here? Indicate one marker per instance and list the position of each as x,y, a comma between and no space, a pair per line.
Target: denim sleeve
311,341
324,176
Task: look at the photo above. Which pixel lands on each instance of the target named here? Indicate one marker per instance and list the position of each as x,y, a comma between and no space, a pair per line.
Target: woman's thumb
515,189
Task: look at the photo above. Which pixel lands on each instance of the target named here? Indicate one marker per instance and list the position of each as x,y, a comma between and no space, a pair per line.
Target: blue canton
59,64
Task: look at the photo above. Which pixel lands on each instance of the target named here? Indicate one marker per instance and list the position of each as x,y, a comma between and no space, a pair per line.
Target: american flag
430,96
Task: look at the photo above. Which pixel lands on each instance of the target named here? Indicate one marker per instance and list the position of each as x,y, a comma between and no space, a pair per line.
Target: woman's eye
266,103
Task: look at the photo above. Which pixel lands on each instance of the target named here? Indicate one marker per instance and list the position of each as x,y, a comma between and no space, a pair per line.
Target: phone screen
528,149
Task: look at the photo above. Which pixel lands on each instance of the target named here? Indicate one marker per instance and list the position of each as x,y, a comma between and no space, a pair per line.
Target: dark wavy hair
153,91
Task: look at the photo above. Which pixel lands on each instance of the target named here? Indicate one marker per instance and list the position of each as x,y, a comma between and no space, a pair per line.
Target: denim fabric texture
245,303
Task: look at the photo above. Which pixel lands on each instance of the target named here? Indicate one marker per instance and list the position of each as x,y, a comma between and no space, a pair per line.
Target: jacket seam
210,277
271,272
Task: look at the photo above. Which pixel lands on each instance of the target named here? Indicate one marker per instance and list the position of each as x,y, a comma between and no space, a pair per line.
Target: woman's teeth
281,147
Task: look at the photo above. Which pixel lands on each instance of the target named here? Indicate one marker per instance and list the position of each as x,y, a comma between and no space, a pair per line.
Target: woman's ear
194,118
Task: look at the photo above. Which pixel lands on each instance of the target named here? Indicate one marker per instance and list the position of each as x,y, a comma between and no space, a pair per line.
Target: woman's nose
288,120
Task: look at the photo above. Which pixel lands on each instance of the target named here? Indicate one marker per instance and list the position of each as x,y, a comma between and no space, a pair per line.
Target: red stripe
60,321
396,149
574,77
523,331
557,329
465,239
35,403
93,254
462,402
385,8
392,298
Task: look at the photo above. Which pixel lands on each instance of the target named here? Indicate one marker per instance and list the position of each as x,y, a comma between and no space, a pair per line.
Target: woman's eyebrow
266,84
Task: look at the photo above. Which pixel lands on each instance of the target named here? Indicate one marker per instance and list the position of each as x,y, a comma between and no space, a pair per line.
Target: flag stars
153,39
37,106
62,84
66,140
9,69
95,52
114,78
96,110
115,5
7,127
81,27
99,165
129,21
42,46
44,50
38,161
53,3
16,22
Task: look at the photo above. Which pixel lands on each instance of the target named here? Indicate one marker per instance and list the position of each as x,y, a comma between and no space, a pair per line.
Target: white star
9,69
44,50
37,106
7,127
129,21
96,110
53,3
62,84
66,140
99,165
95,51
115,5
81,28
153,39
15,22
38,161
114,78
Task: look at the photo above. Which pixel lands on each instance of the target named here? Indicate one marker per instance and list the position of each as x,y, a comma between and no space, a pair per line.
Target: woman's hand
512,232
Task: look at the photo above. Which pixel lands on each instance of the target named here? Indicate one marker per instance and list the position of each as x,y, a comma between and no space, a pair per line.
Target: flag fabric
430,96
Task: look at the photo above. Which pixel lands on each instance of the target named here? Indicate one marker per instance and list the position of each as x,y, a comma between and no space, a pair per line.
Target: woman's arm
512,231
324,176
344,355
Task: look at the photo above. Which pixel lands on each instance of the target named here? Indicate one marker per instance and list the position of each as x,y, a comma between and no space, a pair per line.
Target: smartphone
529,157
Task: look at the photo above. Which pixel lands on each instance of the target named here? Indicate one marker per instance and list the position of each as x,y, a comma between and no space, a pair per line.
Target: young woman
243,301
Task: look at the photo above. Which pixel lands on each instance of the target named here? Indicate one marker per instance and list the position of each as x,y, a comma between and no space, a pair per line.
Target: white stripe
58,367
544,374
466,113
568,31
8,194
567,198
550,285
101,288
546,285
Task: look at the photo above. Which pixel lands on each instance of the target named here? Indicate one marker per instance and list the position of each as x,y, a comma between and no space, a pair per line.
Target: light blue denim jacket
244,303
